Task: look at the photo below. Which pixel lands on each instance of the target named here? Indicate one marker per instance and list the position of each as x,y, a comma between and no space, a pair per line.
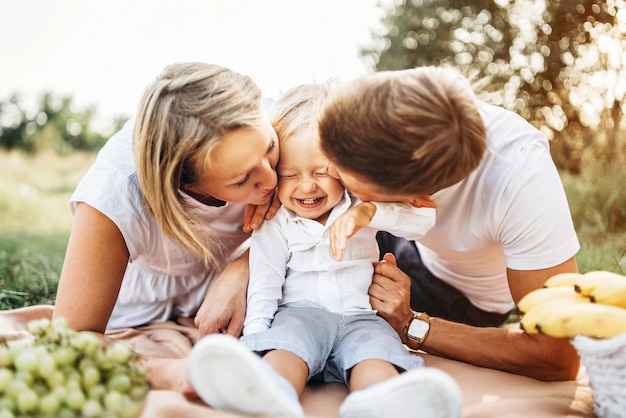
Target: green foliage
558,63
55,126
454,33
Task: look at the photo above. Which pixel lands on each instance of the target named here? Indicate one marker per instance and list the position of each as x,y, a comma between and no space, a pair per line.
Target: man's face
363,189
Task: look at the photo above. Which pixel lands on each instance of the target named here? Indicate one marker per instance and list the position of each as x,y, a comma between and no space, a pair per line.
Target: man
503,223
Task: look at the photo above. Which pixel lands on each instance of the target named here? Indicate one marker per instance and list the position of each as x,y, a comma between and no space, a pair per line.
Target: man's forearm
509,350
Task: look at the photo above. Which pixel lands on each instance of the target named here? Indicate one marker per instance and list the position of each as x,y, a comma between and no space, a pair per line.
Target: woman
159,217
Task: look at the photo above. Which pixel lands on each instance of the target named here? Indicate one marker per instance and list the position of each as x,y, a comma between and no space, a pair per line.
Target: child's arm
403,219
348,224
268,260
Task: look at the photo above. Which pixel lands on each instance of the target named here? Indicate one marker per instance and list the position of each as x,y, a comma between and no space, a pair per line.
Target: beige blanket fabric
487,393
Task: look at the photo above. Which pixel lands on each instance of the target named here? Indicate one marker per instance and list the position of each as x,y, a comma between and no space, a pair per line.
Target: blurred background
71,73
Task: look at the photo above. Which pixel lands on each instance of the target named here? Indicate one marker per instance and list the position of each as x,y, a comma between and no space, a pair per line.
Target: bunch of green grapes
63,373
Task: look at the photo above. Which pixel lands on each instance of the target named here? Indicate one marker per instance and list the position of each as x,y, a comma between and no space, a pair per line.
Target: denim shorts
331,344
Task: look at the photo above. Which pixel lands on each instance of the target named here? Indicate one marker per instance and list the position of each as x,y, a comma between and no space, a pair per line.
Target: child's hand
349,224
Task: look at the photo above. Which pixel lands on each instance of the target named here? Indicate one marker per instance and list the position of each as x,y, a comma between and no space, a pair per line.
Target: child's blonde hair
181,117
299,108
411,132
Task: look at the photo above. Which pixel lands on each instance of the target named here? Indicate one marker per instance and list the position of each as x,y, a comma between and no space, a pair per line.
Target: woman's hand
254,215
224,307
390,294
348,224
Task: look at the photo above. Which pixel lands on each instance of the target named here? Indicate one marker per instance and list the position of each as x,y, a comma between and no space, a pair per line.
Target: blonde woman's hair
299,108
410,132
181,117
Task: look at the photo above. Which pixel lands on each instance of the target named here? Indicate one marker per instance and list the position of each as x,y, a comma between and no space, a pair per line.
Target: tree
535,57
566,40
54,126
13,122
473,38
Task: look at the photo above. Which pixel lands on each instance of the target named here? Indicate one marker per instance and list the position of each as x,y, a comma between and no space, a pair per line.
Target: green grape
5,356
132,410
85,362
7,404
71,374
74,383
60,392
75,399
87,342
27,401
47,365
119,353
65,413
119,382
137,391
26,360
15,387
62,373
65,355
97,392
91,408
55,379
38,327
91,377
113,400
25,377
59,324
6,377
49,404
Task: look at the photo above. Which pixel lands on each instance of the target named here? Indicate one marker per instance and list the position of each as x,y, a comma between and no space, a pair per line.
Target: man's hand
390,293
348,224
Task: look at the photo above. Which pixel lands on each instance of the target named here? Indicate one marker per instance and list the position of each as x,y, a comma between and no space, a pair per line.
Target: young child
308,314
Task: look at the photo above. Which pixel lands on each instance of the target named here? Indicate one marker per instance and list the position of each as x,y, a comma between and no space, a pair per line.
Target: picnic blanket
486,392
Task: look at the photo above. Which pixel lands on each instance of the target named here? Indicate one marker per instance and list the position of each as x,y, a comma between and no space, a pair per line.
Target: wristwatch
417,330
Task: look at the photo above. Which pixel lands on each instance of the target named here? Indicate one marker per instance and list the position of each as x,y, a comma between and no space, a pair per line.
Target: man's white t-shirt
156,287
510,212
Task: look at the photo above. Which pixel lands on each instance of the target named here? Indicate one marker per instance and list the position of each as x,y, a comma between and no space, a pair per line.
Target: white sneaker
424,393
229,377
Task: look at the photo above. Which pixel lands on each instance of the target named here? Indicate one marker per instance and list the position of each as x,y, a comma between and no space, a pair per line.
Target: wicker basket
605,363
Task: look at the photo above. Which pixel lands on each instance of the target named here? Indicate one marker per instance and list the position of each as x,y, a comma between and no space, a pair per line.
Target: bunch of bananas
591,304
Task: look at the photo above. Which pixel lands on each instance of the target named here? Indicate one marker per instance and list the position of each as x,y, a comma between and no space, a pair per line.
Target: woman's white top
510,212
160,282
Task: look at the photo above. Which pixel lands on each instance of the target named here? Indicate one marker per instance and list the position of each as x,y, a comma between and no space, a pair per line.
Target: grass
34,223
35,220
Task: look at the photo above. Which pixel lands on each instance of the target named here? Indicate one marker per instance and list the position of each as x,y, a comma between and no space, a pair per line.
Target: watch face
418,328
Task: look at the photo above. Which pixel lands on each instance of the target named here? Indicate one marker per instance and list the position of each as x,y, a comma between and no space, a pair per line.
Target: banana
590,280
590,319
562,279
611,292
530,319
543,294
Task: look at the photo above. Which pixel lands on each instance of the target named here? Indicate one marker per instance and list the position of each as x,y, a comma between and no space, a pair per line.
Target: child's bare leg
289,366
369,372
